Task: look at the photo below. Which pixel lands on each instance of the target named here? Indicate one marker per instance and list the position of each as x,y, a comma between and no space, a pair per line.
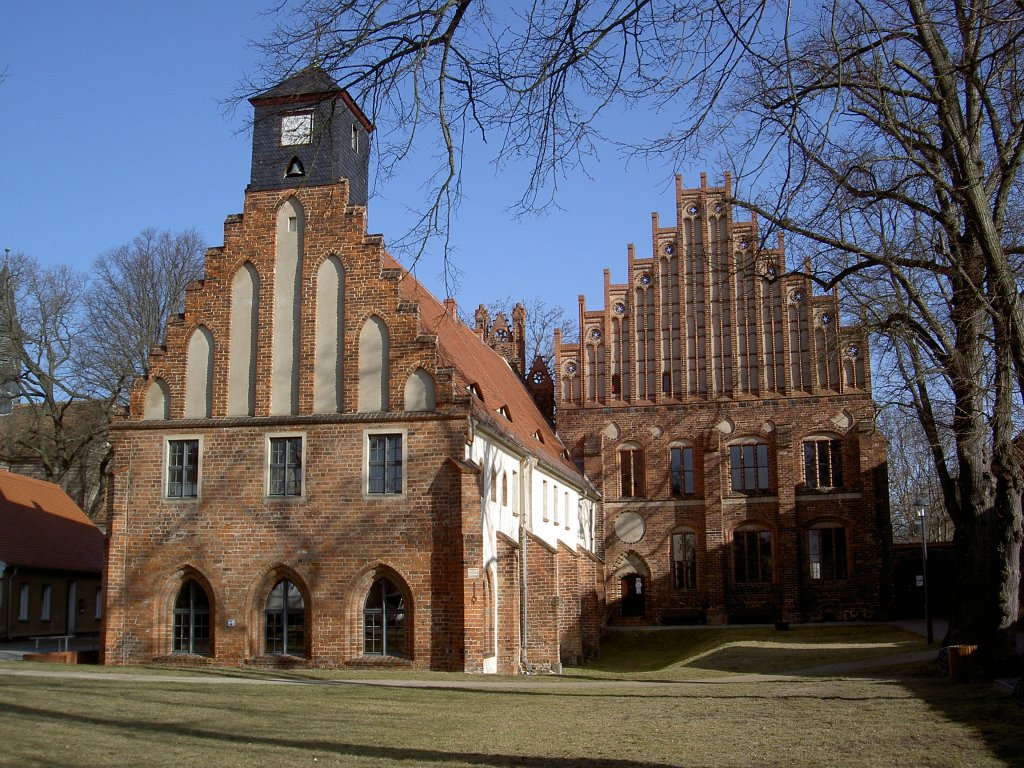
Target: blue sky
111,120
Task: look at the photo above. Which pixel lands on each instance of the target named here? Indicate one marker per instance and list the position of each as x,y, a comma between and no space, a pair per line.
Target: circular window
771,270
570,367
826,318
669,248
718,207
595,334
798,294
620,308
692,210
538,377
645,279
854,350
502,334
629,528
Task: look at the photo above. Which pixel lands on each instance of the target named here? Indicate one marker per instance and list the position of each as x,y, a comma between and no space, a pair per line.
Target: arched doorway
633,595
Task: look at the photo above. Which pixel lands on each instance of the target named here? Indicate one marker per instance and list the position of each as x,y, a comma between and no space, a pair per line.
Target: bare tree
77,341
133,290
61,426
888,134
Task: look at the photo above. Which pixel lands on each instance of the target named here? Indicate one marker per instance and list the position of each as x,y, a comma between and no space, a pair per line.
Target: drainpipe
526,466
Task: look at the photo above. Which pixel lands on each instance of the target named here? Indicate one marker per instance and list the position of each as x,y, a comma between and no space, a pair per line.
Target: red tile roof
498,385
41,527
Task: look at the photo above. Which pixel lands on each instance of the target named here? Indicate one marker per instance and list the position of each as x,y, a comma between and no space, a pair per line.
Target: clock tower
308,131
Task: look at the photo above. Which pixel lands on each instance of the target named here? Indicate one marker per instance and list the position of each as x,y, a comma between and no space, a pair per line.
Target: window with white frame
823,463
631,469
285,466
544,499
748,467
183,469
681,470
385,463
554,504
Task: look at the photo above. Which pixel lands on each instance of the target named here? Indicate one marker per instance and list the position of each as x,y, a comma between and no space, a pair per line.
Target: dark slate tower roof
308,131
311,81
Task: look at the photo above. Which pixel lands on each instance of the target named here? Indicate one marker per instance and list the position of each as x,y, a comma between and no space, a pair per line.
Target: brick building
51,561
325,466
725,414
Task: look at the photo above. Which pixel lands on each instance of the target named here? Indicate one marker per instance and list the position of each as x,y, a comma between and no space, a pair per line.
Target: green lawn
706,715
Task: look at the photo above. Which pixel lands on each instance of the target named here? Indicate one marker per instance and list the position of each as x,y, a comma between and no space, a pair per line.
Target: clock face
296,129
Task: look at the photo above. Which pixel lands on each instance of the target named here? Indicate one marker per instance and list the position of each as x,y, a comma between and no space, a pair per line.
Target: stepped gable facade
725,414
325,466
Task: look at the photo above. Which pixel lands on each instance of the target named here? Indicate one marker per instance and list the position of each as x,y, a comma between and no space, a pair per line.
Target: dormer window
504,411
538,436
296,129
474,389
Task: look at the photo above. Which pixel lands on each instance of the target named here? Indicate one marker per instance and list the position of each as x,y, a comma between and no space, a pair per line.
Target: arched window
631,469
285,620
681,471
328,396
752,554
245,300
199,375
373,366
192,620
157,407
748,467
823,462
826,550
384,621
419,391
285,323
684,559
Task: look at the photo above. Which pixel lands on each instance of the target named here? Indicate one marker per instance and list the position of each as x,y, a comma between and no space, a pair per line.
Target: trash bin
961,662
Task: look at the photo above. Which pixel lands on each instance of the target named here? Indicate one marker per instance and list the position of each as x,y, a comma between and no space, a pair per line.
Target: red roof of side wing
497,385
41,527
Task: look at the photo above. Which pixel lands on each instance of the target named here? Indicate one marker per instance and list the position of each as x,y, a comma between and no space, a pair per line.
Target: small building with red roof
325,466
51,561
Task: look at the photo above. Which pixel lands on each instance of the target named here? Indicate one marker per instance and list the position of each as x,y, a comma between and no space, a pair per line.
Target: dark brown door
633,595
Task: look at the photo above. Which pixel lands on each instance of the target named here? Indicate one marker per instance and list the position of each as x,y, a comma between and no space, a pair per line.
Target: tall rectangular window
752,555
684,560
99,602
515,492
23,603
823,463
544,499
681,471
44,603
631,465
182,469
285,466
826,548
748,465
385,464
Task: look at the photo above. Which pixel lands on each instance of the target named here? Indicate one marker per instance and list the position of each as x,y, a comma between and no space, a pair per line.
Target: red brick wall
714,511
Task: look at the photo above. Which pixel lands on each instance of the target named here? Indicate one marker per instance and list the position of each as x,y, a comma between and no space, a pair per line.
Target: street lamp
921,507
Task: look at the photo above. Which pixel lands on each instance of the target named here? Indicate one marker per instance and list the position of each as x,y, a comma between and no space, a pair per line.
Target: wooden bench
62,641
